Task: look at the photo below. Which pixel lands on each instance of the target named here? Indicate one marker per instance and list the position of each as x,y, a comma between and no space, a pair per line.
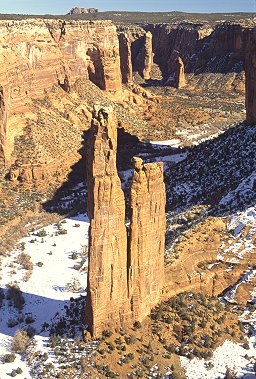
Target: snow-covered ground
233,355
58,255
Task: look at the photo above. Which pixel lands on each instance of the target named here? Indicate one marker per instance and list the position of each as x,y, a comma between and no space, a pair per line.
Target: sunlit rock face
126,266
38,54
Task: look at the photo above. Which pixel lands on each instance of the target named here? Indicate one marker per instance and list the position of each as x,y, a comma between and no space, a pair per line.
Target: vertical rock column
147,238
250,81
148,56
180,74
3,126
107,301
110,63
125,58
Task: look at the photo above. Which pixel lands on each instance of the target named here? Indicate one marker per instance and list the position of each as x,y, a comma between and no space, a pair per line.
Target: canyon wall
38,54
126,267
250,80
202,47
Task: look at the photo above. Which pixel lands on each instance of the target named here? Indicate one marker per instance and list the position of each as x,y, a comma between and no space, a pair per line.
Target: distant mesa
77,10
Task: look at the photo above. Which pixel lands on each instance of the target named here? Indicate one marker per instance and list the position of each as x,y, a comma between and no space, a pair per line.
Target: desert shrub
39,264
107,333
9,358
246,346
19,370
14,294
13,374
230,374
137,325
11,323
29,319
24,261
74,285
74,255
20,341
41,233
131,339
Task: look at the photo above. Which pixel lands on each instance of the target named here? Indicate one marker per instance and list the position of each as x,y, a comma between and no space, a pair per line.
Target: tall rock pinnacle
250,80
107,277
126,275
148,56
147,237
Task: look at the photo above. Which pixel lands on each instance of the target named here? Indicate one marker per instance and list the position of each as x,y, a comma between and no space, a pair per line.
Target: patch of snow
46,292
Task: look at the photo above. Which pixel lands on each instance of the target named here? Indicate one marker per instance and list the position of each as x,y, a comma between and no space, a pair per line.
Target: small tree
20,341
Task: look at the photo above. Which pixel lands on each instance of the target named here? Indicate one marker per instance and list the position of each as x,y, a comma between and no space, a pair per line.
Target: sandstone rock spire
3,125
125,58
107,303
180,74
148,56
125,280
250,81
147,237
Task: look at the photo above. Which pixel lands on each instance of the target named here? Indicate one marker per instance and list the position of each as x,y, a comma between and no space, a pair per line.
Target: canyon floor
189,336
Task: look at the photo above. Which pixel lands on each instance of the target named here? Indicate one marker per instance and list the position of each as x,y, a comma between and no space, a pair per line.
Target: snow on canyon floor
50,268
233,355
58,273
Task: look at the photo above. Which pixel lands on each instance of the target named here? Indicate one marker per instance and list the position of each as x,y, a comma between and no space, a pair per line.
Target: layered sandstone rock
125,280
180,74
250,80
38,54
125,57
78,10
3,125
107,301
147,237
177,77
148,56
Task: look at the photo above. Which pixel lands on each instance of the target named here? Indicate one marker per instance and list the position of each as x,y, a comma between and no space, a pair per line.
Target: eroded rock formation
147,240
77,10
250,81
148,56
3,125
176,67
125,57
107,277
38,54
125,280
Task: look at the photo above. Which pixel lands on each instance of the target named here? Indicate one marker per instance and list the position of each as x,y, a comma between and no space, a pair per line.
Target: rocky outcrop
148,56
77,10
3,125
125,280
125,58
107,276
177,77
147,237
39,54
250,80
204,48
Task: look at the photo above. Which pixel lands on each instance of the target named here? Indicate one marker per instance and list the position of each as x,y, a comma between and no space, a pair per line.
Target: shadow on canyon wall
211,170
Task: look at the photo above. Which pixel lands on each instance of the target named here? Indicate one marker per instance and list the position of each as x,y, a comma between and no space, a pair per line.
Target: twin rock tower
126,262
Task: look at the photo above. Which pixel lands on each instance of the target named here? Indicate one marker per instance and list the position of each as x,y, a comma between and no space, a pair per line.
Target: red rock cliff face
250,81
107,303
37,54
124,280
125,57
147,237
3,124
202,48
